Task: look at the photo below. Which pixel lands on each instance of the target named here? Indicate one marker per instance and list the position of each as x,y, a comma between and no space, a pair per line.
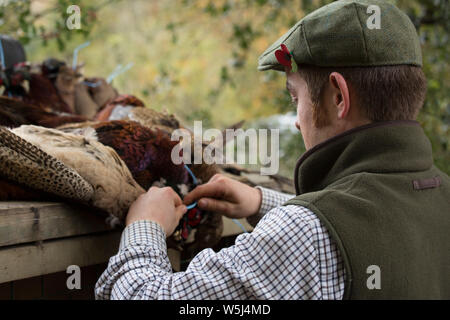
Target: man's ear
341,95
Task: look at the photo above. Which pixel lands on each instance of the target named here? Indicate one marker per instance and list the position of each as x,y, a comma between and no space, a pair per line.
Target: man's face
298,90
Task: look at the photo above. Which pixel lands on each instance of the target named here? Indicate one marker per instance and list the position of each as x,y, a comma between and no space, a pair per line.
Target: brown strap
426,183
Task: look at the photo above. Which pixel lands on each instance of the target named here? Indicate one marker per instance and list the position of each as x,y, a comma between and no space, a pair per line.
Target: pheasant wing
25,163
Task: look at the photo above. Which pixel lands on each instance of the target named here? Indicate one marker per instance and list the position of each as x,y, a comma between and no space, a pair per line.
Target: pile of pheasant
71,138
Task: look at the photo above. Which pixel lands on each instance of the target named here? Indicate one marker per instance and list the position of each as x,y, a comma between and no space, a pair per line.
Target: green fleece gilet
384,203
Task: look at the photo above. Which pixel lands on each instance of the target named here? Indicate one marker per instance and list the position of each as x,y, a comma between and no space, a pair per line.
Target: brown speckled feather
25,163
114,188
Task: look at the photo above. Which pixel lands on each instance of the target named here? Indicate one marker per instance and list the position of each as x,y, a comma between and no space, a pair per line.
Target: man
371,215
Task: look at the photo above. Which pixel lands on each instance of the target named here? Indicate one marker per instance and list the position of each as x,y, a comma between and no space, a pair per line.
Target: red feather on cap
284,57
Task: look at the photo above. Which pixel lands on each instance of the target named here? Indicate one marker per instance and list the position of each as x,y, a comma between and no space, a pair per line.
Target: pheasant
12,191
123,103
12,79
145,151
101,92
65,83
84,104
55,85
69,166
51,84
14,112
43,93
128,107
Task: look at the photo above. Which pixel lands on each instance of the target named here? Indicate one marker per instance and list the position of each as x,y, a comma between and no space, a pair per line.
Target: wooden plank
24,261
23,222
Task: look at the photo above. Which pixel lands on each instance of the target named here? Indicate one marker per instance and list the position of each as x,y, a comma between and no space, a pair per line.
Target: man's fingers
194,194
215,177
208,190
169,193
176,199
214,205
180,211
153,189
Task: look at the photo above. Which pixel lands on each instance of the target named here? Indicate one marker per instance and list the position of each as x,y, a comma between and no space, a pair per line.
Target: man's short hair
383,93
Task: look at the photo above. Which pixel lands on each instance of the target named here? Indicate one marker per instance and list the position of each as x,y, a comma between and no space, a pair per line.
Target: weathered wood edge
25,261
24,222
30,260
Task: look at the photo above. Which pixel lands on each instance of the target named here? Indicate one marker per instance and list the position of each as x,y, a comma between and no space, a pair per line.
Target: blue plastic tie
118,70
240,225
75,54
194,181
2,55
189,207
92,84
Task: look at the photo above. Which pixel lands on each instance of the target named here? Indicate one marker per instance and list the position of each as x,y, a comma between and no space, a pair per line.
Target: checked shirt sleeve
289,255
270,199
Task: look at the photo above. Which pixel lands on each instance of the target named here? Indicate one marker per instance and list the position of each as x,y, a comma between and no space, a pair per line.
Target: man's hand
226,196
161,205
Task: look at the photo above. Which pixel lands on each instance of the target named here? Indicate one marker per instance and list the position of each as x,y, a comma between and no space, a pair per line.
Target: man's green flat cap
345,34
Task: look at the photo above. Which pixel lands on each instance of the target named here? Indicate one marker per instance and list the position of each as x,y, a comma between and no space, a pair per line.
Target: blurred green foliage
198,58
28,20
